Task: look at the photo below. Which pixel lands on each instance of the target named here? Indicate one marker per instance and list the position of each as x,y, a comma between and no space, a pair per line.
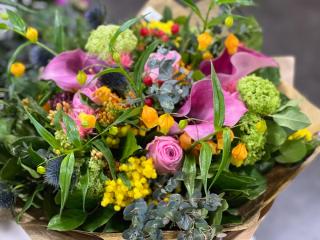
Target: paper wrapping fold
278,178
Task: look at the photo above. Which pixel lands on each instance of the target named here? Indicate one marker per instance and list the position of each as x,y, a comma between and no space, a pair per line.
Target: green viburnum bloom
252,136
260,95
99,40
96,183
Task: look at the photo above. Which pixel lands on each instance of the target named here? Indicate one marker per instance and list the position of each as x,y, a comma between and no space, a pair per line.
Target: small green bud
114,131
183,123
4,16
124,130
229,21
82,77
116,57
41,170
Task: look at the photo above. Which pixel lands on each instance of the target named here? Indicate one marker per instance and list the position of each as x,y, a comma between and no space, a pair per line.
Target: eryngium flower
96,15
51,176
116,82
39,57
6,196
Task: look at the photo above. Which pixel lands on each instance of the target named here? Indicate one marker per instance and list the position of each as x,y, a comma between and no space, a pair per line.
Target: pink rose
153,72
166,154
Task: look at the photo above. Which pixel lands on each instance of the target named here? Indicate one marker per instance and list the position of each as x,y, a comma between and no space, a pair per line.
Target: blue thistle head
96,15
51,176
6,196
116,82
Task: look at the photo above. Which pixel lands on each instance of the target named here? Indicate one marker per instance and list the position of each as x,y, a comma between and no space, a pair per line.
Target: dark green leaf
139,67
29,202
65,176
44,133
272,74
71,130
276,135
69,220
194,8
205,162
99,144
167,14
59,33
189,171
218,100
225,155
130,146
31,171
291,118
10,169
292,152
98,219
35,157
16,21
125,179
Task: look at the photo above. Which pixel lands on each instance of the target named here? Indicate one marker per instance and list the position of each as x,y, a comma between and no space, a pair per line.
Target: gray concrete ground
291,28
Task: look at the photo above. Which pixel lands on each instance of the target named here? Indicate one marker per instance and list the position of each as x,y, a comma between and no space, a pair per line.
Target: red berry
165,38
147,80
144,32
175,28
148,101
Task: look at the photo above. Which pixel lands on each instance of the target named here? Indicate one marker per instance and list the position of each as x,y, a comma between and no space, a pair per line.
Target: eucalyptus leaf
69,220
65,176
291,118
205,162
189,171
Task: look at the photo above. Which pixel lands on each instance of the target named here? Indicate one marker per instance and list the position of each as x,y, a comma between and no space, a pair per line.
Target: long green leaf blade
59,33
108,155
71,130
189,171
44,133
225,154
205,163
218,100
65,177
194,8
29,202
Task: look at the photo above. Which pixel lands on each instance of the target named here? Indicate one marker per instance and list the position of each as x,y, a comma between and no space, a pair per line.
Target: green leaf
3,26
272,74
69,220
130,146
292,152
139,67
194,8
71,130
189,171
65,176
98,219
99,144
291,118
290,103
218,100
31,171
276,135
225,155
16,21
205,162
125,179
167,14
35,157
84,185
59,36
44,133
10,169
29,202
216,218
240,2
121,29
109,70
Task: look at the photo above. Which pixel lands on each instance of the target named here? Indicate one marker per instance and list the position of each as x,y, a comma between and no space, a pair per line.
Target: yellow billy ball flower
300,134
239,154
204,41
87,120
32,34
229,21
149,117
41,170
166,121
17,69
261,126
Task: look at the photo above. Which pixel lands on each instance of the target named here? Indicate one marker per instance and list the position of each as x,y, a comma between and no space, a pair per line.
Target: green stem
207,16
46,48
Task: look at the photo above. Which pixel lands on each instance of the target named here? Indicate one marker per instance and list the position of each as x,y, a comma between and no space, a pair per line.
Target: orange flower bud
149,117
214,147
232,44
17,69
220,139
185,141
239,154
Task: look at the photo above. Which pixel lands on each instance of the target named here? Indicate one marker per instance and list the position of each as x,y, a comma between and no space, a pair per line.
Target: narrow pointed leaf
99,144
189,171
71,130
205,163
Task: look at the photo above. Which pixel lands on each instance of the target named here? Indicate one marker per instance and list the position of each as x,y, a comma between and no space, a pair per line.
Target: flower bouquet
156,129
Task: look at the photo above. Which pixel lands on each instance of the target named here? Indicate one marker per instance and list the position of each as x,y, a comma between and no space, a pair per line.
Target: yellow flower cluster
300,134
163,26
138,171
